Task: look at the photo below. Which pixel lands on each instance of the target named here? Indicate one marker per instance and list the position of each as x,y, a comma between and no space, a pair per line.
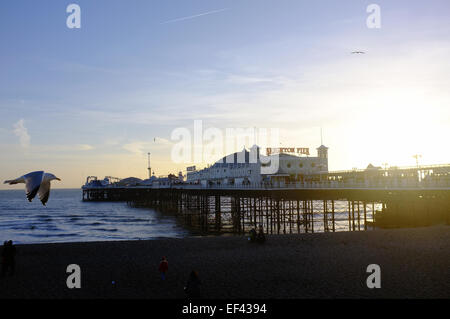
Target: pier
336,201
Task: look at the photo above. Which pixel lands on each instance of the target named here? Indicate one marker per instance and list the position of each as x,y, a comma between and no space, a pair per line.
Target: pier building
246,168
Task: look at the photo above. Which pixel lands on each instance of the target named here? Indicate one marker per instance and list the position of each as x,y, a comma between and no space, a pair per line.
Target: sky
96,100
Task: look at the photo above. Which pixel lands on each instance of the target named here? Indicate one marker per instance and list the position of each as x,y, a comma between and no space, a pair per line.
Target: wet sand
415,263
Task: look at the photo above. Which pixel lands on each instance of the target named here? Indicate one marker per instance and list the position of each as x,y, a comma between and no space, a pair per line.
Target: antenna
419,174
321,137
149,167
417,156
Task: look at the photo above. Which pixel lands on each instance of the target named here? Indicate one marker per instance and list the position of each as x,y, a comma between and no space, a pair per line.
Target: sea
66,218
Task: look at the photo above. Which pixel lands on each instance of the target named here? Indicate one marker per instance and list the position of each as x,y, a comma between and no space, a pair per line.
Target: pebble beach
415,263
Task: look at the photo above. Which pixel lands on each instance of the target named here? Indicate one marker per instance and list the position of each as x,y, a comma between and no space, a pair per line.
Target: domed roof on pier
241,157
129,181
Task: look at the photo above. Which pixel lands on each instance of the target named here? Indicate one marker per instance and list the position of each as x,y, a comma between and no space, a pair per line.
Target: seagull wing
32,183
44,191
15,181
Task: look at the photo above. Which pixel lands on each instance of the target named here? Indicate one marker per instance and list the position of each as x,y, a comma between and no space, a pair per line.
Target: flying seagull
35,183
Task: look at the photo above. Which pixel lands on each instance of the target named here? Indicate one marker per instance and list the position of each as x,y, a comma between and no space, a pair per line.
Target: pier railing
318,186
394,184
328,185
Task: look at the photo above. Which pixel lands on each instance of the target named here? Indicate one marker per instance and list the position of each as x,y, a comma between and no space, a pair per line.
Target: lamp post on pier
417,156
149,167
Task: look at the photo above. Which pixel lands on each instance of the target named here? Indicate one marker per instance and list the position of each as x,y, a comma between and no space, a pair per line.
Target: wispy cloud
22,133
137,148
242,79
142,147
84,147
194,16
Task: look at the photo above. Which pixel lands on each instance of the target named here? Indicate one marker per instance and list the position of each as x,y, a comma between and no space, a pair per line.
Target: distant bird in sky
358,52
35,183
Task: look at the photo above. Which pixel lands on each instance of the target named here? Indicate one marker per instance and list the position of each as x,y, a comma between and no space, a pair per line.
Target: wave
54,235
125,220
106,229
24,227
43,216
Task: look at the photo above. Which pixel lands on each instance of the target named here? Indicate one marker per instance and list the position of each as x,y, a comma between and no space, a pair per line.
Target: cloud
243,79
22,133
143,147
194,16
84,147
136,147
54,149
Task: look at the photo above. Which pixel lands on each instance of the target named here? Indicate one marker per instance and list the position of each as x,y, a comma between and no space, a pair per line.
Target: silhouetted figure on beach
261,238
253,235
8,258
163,267
192,288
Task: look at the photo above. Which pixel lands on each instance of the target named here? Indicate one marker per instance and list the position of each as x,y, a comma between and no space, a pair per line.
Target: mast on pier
149,167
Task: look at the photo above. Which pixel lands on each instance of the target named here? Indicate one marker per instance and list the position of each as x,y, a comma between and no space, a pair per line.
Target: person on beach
163,267
192,288
253,235
261,238
4,263
8,258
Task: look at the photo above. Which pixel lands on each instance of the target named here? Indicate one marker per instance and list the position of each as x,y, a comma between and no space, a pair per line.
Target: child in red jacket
163,267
